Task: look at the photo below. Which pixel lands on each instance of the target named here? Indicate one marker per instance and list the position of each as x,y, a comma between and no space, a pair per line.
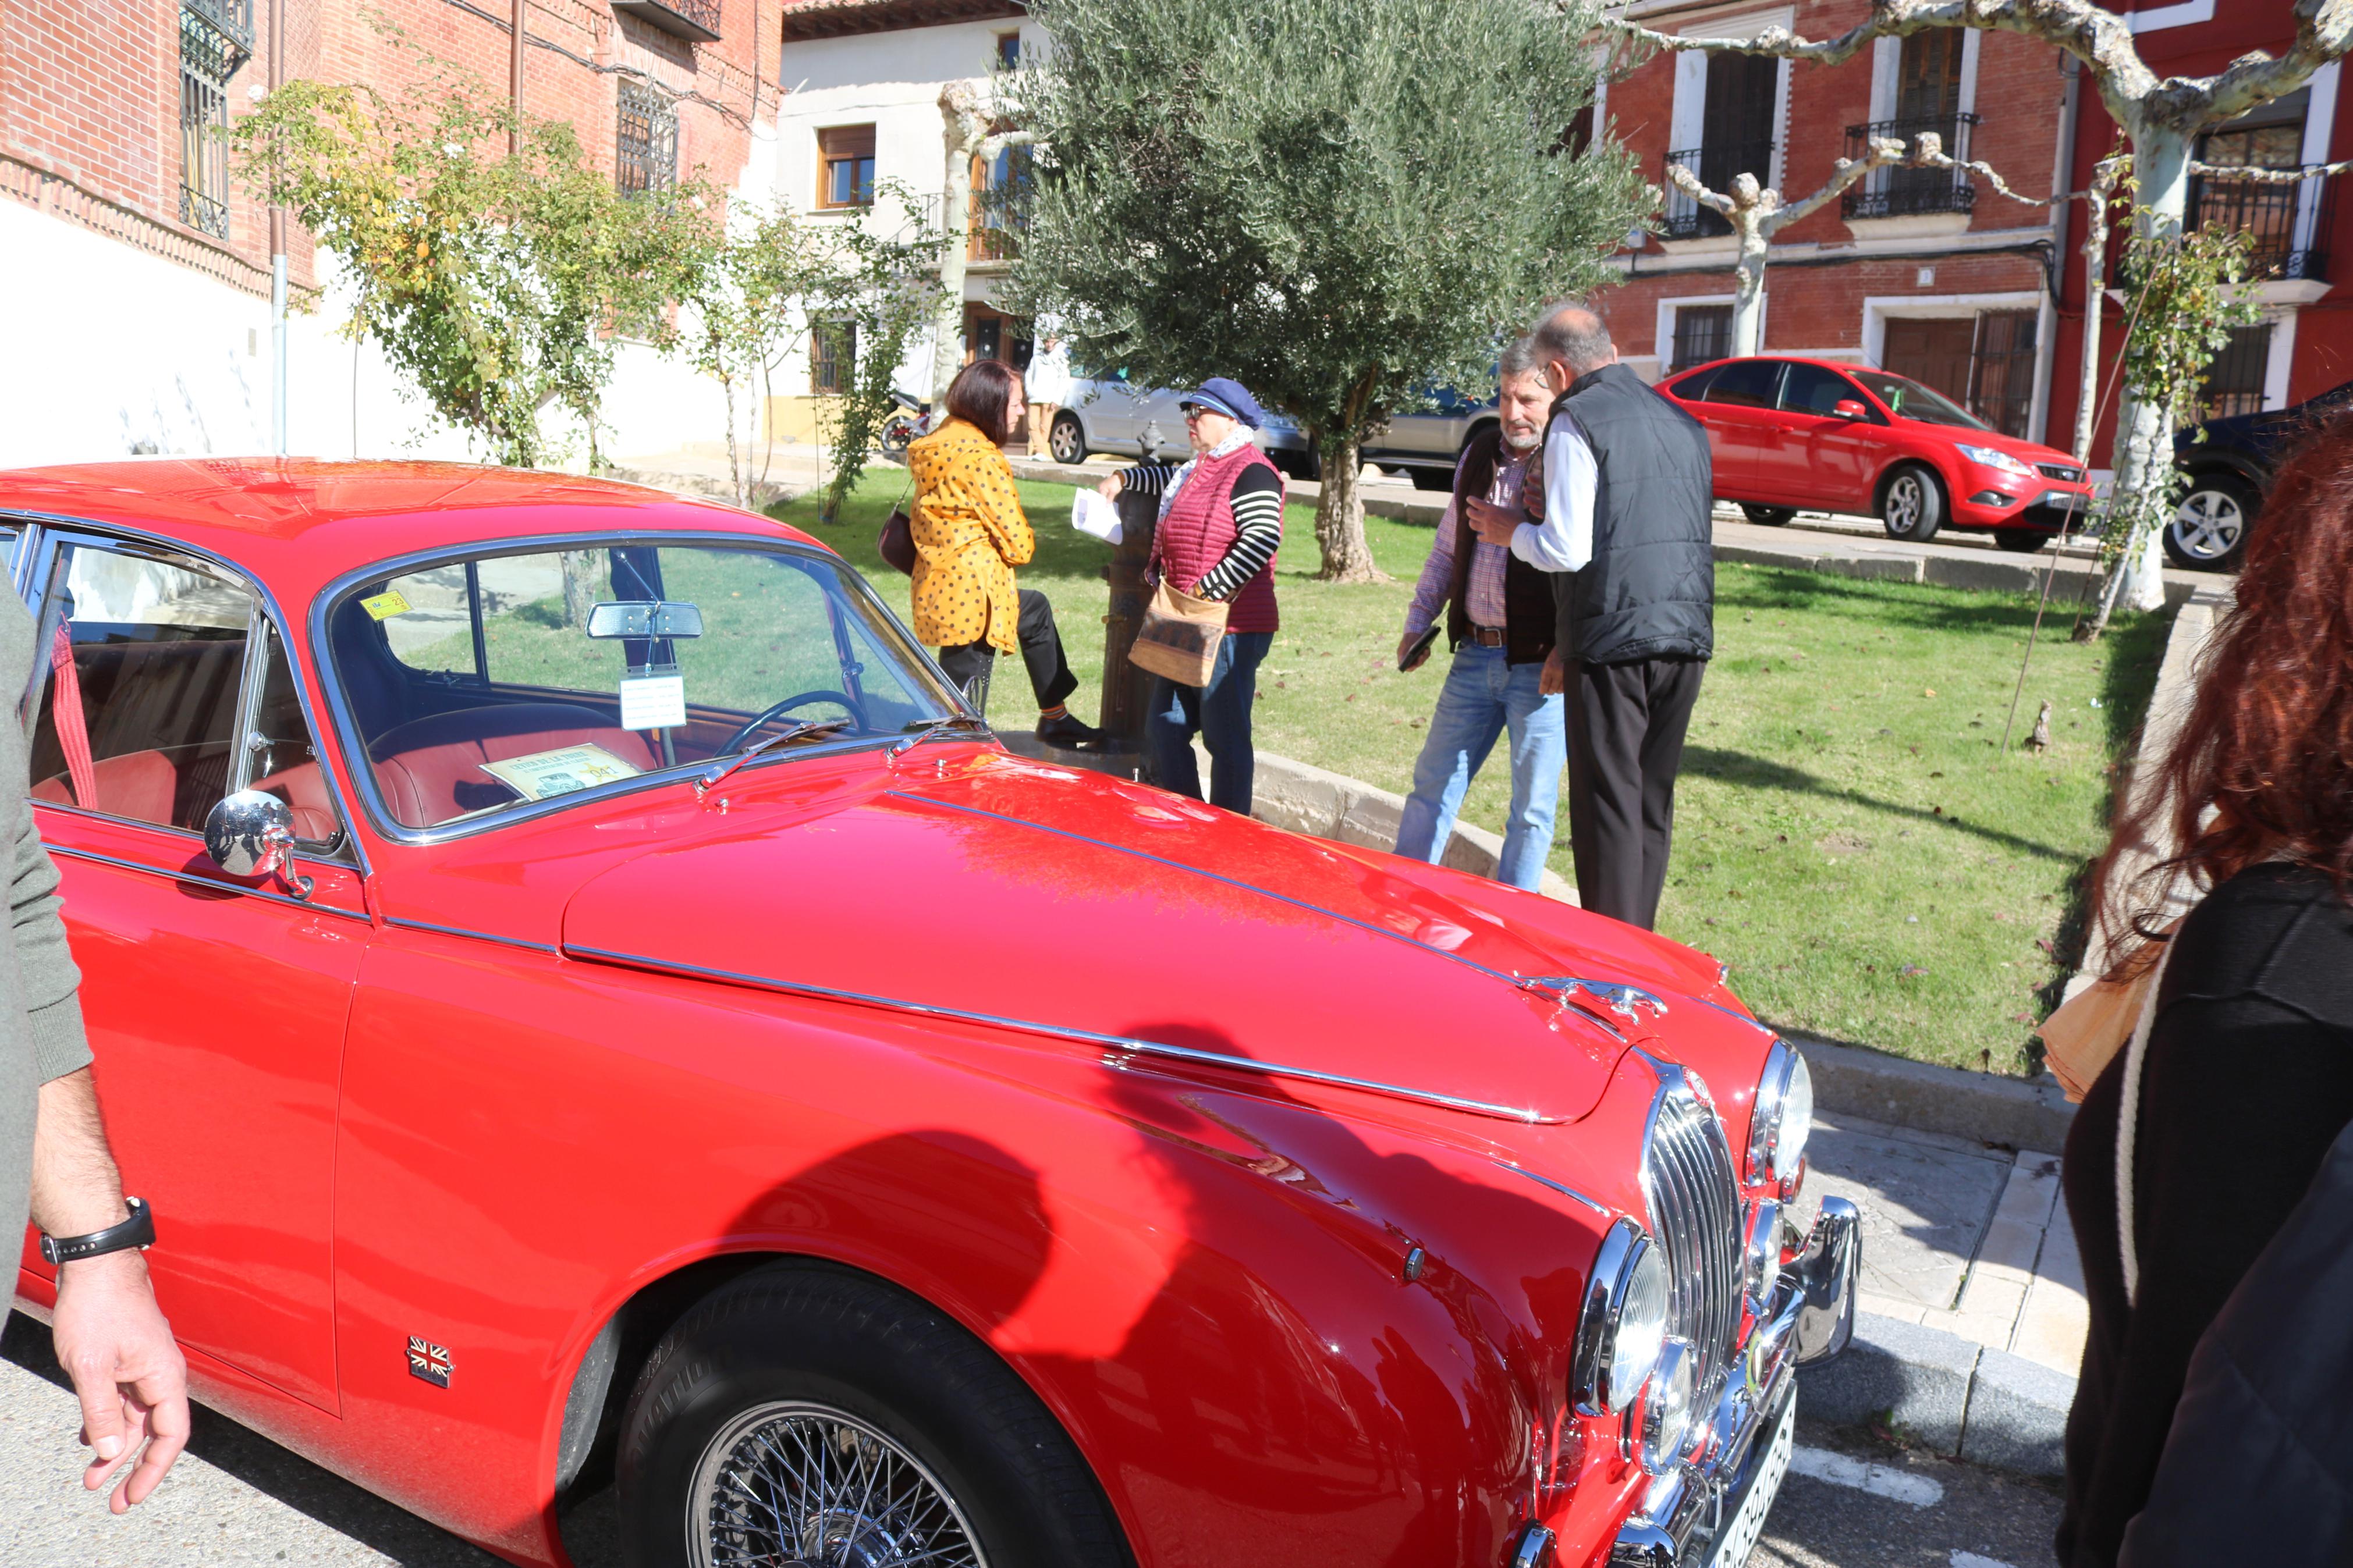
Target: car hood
992,888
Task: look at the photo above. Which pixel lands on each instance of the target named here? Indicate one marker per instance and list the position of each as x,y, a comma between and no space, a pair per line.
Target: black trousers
1041,649
1626,724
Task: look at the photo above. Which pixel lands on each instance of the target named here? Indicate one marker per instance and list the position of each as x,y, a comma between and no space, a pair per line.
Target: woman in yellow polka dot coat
970,532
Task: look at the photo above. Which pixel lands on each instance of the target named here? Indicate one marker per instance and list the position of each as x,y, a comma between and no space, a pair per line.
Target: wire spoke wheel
798,1485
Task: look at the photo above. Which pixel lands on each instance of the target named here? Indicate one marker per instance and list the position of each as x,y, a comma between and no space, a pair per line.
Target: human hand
130,1376
1408,658
1553,681
1109,490
1492,525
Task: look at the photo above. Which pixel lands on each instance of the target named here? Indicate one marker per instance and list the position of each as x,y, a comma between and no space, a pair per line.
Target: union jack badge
429,1361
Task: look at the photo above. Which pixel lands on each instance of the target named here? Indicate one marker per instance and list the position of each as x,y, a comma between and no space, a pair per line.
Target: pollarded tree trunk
2144,442
1340,519
1748,291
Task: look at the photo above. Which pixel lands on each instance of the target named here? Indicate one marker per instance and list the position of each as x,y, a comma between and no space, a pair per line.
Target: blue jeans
1485,694
1221,711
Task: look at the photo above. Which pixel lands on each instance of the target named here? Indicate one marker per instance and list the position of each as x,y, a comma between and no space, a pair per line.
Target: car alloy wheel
1913,505
2209,526
1067,441
795,1482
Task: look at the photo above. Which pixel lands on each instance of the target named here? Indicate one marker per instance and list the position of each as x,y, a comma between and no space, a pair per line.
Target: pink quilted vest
1199,530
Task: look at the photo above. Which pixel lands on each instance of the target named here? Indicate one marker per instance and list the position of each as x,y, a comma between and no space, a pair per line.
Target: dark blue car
2229,472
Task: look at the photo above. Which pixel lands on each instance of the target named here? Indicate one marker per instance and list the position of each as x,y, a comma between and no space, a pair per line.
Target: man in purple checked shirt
1500,621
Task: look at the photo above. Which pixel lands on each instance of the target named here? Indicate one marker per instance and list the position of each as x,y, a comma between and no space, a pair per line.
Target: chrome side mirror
252,834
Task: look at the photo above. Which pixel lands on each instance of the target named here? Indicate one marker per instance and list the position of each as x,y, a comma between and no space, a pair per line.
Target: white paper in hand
1090,513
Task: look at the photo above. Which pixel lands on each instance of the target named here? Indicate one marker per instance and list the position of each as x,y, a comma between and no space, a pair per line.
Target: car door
1741,420
1817,457
215,1005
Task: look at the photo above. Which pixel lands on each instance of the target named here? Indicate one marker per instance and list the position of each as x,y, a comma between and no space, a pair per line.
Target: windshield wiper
727,765
923,729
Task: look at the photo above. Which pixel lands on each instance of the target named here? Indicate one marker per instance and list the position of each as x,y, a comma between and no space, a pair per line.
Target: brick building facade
1938,276
139,272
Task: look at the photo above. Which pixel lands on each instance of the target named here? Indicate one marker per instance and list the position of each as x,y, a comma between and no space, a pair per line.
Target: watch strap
139,1230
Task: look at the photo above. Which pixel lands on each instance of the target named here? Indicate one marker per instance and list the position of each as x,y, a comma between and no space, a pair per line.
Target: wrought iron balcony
232,18
1717,164
696,21
1912,192
2290,220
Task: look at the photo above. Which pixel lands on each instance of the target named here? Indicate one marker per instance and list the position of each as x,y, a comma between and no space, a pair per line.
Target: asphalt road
239,1498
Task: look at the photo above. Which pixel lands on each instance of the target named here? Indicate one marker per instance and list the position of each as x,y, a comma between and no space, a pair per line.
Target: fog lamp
1762,1262
1667,1408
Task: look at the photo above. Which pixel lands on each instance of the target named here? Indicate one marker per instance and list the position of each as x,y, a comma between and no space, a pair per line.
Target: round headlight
1783,1116
1624,1321
1667,1412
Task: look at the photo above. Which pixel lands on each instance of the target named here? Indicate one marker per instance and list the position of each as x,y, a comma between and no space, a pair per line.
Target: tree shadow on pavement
1759,772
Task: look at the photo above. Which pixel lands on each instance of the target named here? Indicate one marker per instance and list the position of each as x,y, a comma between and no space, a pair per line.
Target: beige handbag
1179,637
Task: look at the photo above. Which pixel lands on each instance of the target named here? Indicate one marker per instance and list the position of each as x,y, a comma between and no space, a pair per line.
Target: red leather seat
430,769
305,790
140,785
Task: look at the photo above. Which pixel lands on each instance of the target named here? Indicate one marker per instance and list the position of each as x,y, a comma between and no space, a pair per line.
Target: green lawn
1848,839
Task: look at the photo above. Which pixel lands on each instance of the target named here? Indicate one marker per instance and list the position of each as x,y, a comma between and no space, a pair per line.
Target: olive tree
2162,117
1341,203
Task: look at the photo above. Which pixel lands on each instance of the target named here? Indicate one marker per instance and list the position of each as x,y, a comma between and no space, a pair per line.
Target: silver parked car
1425,445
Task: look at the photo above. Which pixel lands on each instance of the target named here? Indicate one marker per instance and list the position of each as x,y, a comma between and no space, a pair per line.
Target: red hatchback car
1792,435
587,1000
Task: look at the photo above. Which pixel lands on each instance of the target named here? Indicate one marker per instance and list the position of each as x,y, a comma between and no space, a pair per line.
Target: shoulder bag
1180,633
897,540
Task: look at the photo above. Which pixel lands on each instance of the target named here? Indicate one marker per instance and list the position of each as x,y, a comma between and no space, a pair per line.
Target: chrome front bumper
1810,1317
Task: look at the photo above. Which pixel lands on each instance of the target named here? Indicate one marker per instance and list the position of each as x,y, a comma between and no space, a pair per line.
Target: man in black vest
1498,618
1623,514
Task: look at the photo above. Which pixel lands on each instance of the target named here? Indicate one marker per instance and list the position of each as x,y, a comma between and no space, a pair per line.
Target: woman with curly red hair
2206,1127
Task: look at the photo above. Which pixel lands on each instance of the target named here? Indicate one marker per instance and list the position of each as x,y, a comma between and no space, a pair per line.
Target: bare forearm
76,1187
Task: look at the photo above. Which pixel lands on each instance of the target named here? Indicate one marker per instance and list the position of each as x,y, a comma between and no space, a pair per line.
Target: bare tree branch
2271,176
1928,153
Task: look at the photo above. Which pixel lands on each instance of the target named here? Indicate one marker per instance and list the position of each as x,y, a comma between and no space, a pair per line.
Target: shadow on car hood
1013,892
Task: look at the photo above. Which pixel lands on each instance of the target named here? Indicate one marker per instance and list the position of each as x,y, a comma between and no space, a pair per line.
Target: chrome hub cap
2208,525
794,1485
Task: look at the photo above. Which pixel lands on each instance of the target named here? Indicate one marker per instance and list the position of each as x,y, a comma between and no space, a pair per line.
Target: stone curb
1950,1395
2012,1113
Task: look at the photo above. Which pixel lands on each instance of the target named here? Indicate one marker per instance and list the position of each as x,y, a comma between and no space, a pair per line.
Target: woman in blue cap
1221,523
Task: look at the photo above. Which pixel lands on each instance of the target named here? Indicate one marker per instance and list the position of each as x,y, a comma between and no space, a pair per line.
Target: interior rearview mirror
645,618
1848,409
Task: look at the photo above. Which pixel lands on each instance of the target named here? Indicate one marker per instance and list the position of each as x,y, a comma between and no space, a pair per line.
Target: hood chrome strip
1116,1046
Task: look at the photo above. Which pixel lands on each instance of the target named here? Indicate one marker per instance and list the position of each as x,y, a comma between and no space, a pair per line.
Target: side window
1746,383
1810,389
285,761
143,664
1691,388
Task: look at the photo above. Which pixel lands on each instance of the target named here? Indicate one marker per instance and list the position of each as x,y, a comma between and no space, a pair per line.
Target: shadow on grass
1759,772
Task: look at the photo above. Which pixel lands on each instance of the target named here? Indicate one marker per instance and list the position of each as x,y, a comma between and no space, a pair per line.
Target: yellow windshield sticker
542,775
384,607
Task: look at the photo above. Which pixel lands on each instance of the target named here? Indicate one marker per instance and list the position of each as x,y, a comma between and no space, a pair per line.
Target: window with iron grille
216,37
1702,332
2234,382
833,356
645,141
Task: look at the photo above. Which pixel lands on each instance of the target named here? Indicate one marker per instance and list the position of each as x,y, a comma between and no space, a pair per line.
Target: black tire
1431,479
1298,465
1768,516
1912,503
830,1363
2209,530
898,434
1067,440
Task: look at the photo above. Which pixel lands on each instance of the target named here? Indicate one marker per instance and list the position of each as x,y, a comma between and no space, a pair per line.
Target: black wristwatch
139,1230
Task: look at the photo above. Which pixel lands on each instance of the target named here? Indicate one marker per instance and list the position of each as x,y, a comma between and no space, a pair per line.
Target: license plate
1740,1533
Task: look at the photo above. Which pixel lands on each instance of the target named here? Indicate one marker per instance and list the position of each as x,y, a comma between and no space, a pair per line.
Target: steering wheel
779,709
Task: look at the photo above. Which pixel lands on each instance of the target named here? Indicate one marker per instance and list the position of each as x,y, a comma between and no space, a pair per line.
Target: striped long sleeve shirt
1258,523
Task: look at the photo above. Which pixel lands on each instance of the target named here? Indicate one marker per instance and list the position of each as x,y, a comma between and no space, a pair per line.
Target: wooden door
1935,350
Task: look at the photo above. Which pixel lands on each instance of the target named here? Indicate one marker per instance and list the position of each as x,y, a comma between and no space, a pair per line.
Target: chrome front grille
1695,1219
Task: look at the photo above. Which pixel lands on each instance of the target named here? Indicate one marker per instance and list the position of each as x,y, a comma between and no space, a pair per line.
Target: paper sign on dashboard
653,701
542,775
384,607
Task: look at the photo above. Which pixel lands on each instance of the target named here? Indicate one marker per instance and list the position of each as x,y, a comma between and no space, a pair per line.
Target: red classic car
1792,435
585,999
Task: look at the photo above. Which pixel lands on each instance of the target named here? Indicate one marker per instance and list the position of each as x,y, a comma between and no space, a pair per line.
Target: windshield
1907,399
485,683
